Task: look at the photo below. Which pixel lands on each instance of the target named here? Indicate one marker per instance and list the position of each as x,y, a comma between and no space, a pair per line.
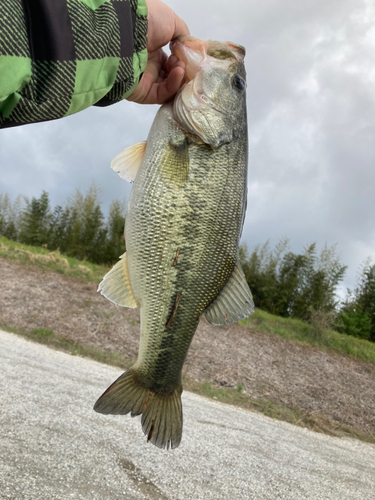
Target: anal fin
116,285
234,302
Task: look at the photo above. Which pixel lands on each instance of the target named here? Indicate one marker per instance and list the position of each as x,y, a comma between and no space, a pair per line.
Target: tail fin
161,414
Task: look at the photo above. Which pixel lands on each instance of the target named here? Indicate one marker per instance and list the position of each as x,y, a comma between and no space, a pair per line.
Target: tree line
298,285
78,229
282,282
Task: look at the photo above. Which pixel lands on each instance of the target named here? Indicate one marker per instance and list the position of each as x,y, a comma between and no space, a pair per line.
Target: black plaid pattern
61,33
47,95
49,30
13,33
52,81
122,83
140,35
96,33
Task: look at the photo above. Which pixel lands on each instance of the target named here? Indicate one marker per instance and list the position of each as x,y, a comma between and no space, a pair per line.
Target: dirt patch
270,368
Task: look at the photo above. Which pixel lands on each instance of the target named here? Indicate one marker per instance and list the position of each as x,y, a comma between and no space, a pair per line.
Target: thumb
180,27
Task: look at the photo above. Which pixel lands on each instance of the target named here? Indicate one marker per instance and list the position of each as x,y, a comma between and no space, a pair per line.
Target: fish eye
238,82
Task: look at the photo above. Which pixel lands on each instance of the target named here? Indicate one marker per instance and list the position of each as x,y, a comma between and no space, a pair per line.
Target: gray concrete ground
54,446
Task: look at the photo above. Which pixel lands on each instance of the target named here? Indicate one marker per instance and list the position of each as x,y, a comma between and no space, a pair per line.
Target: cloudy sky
311,113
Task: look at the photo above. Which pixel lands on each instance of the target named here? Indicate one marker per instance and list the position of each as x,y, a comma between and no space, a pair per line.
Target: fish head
212,102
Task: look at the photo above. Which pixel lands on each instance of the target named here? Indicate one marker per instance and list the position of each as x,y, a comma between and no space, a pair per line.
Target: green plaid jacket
58,57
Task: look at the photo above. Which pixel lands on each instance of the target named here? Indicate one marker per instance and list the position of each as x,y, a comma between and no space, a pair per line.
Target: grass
286,328
49,338
53,261
302,332
233,396
279,411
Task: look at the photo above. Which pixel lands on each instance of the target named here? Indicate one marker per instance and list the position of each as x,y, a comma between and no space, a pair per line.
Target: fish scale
206,260
183,225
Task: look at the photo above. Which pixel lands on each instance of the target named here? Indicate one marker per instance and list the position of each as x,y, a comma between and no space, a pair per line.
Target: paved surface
54,446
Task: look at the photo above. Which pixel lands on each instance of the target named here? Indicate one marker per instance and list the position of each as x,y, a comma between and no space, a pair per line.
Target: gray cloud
311,113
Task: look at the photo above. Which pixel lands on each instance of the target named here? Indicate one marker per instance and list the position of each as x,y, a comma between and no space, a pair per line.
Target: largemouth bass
183,225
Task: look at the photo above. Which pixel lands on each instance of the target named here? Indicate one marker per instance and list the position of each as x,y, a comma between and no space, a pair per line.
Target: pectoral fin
175,163
234,302
127,163
116,285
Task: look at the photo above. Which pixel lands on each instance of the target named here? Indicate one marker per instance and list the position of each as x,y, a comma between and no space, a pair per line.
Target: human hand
163,75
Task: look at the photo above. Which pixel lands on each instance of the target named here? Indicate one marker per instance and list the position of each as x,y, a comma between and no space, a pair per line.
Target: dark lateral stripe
49,30
174,310
127,27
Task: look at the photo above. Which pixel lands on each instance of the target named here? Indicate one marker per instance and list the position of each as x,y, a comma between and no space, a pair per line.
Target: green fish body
183,226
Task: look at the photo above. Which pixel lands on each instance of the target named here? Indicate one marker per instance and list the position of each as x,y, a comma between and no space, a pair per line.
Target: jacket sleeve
58,57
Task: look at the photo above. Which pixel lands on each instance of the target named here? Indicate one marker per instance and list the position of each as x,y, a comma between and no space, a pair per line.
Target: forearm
58,57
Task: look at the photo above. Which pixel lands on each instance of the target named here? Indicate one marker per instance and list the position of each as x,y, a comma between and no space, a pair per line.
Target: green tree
77,229
289,284
115,245
358,309
84,231
316,282
35,221
261,271
9,216
356,323
59,236
4,208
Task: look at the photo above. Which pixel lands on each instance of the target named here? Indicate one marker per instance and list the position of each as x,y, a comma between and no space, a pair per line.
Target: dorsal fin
116,285
127,163
234,302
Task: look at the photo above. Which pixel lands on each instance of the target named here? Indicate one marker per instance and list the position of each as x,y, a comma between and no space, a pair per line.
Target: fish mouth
196,107
196,53
191,51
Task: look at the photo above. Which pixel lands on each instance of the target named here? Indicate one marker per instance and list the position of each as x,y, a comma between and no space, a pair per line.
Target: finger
150,76
168,89
159,93
156,86
180,28
172,60
155,64
163,58
162,76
